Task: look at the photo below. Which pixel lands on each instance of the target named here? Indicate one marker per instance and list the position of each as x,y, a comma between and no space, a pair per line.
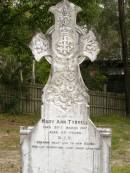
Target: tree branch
21,12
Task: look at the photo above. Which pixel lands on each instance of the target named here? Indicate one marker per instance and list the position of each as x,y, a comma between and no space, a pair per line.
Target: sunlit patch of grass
120,140
121,169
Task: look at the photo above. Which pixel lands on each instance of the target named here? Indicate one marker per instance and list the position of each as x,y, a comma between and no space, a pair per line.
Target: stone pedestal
65,145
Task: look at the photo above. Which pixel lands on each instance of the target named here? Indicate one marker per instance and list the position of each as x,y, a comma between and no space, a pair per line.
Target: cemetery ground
10,148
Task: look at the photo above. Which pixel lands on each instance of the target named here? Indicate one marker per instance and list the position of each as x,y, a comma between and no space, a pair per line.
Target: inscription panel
65,134
60,144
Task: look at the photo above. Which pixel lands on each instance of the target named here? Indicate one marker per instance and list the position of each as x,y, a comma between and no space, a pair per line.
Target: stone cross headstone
65,140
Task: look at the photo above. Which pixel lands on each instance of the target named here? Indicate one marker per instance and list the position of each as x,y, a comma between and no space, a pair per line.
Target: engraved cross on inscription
65,46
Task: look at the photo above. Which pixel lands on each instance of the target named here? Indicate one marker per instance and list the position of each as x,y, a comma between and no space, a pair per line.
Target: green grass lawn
120,141
9,140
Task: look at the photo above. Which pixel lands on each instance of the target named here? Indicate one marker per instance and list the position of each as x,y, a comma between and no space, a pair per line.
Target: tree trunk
33,72
124,41
21,73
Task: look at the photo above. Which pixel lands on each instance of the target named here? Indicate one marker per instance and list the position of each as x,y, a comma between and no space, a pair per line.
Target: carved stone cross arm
40,46
89,46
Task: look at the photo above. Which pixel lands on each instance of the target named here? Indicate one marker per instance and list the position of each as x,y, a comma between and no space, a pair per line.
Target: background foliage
20,19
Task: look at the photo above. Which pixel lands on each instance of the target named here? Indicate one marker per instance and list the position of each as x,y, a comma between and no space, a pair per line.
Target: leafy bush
93,78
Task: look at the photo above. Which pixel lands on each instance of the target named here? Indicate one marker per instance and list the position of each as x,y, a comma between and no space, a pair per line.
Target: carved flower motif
64,21
39,43
70,76
79,98
59,81
90,46
70,88
57,101
64,98
39,46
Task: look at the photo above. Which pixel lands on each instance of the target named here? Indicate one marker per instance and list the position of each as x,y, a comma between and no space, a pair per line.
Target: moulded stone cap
25,130
105,131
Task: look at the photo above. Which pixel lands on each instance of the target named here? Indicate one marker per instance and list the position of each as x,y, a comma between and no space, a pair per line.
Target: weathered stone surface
65,145
65,140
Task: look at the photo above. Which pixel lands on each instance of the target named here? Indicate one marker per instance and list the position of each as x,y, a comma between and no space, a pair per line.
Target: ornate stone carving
64,16
64,90
89,46
39,46
65,45
70,45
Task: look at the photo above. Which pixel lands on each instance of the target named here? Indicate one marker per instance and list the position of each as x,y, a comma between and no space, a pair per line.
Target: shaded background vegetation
20,19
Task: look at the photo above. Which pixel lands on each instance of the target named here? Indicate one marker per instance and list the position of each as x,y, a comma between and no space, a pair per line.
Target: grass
121,169
9,128
120,141
9,139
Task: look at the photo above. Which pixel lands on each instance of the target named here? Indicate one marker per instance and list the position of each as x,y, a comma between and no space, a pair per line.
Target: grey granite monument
65,140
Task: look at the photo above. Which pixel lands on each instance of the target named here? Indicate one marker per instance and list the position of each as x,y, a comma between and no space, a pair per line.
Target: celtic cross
65,46
65,37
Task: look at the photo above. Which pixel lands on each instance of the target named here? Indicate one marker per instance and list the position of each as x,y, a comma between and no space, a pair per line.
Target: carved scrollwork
89,47
64,16
39,46
64,90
